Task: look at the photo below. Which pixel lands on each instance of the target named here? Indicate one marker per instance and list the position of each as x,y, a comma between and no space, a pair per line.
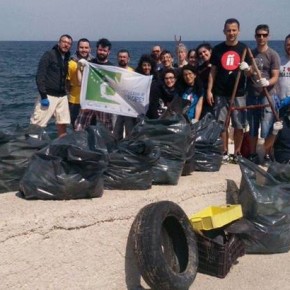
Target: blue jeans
260,116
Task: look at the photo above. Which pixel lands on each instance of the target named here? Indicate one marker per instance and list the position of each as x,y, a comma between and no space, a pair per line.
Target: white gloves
263,82
193,121
82,63
244,66
277,127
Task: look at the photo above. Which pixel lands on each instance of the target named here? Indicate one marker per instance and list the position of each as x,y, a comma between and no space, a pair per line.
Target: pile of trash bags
265,199
16,149
208,152
70,167
82,164
171,135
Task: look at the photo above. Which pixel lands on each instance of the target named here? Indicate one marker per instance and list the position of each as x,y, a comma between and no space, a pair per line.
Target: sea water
18,65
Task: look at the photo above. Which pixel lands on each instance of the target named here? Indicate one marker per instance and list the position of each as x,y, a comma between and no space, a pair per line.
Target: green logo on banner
99,88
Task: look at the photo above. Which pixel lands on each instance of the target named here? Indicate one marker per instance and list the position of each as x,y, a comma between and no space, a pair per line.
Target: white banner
115,90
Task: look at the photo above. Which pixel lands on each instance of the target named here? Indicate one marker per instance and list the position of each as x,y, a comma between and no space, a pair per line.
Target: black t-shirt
227,60
95,60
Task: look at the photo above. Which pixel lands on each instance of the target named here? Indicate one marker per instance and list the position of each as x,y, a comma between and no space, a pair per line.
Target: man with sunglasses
268,62
155,54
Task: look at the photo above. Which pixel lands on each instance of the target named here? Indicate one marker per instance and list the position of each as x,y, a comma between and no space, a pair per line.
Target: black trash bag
265,203
280,171
71,167
260,193
130,166
189,165
181,106
16,149
170,133
101,137
208,152
266,234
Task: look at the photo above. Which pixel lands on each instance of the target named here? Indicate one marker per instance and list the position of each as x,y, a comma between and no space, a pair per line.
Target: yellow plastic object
216,216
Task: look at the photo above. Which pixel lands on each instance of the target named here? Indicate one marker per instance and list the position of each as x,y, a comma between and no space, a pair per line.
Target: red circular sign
230,60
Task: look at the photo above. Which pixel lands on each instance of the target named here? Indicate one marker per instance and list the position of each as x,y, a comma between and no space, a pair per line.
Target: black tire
165,246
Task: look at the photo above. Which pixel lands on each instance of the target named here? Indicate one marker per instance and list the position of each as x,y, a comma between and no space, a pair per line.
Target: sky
139,20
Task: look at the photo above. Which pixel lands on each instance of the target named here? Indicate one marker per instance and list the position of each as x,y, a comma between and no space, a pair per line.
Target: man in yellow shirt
74,88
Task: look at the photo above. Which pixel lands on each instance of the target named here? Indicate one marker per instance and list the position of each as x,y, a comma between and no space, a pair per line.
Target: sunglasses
259,35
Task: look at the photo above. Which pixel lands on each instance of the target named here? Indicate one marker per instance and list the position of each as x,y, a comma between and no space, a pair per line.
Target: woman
192,57
162,93
204,51
181,52
192,92
147,66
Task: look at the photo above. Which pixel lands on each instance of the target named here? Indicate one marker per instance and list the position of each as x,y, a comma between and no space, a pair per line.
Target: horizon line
148,40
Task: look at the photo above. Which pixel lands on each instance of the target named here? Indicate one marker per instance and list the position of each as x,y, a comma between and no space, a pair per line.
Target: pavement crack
45,233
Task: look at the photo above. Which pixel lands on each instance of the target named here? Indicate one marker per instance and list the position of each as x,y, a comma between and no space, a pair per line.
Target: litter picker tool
178,42
231,107
265,91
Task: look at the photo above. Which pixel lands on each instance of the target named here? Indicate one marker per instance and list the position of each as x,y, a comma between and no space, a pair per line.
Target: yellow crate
216,216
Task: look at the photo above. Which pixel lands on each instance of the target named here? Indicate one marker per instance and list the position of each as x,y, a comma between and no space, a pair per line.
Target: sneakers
230,158
226,158
234,159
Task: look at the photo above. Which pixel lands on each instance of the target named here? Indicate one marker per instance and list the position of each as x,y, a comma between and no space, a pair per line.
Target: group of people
228,80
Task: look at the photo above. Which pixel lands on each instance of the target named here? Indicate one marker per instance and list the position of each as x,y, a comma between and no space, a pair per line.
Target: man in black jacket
51,84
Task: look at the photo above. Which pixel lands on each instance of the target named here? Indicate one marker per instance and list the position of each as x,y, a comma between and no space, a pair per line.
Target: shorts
238,117
58,108
260,116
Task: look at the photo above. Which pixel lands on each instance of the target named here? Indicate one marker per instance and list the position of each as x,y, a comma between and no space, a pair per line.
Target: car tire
165,246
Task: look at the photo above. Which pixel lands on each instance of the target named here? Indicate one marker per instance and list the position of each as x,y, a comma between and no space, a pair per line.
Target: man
280,136
90,117
284,75
123,57
167,61
155,54
51,83
82,52
268,62
226,60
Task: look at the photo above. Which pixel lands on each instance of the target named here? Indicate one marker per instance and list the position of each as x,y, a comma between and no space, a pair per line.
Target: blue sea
18,65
